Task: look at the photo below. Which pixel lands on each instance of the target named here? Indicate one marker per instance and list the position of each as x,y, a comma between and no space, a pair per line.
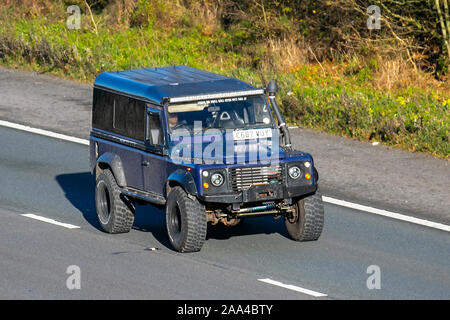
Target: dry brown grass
120,12
206,14
34,7
398,73
389,72
285,55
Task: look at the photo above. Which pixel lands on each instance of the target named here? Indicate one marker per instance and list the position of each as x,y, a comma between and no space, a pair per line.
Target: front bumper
261,193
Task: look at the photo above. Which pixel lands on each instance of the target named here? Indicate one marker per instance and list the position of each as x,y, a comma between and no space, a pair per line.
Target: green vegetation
334,74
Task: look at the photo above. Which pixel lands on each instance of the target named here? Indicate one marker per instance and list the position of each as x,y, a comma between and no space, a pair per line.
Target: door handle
145,163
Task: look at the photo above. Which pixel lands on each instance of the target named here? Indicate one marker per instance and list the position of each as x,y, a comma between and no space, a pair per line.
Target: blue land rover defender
208,148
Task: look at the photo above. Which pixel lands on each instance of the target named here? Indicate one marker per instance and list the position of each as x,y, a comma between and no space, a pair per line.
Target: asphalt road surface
359,256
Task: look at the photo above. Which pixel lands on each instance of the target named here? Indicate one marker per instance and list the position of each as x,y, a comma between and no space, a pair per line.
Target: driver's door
153,160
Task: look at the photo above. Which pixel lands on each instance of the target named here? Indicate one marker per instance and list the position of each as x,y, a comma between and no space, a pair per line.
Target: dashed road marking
294,288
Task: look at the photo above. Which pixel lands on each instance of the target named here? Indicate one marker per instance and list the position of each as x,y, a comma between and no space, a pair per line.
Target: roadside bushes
39,52
417,121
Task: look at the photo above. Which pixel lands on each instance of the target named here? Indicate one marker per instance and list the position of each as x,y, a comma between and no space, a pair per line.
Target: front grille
244,178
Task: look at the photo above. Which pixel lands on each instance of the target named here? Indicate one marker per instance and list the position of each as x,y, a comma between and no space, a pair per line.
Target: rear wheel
115,213
185,221
306,223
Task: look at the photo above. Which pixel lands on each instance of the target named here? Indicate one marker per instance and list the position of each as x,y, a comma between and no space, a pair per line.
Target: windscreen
230,113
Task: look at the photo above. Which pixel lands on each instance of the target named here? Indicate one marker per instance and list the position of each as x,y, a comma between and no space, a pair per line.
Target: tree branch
443,25
92,17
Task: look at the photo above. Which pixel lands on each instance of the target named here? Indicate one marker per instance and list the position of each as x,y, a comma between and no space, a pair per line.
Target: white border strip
43,132
294,288
385,213
43,219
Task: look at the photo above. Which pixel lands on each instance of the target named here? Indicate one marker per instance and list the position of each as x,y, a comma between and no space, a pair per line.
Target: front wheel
185,221
306,223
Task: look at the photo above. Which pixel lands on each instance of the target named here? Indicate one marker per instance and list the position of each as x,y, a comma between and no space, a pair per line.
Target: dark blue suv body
207,147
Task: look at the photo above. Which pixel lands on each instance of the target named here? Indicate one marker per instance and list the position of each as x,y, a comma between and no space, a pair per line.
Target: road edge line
43,132
386,213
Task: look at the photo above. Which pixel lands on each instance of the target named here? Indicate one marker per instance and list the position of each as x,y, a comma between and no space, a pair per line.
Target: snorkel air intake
272,89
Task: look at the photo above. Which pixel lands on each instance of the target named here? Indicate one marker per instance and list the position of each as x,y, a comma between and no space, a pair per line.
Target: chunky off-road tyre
115,212
307,222
185,221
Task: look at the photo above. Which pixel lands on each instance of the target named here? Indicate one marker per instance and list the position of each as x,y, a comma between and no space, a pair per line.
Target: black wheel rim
175,221
294,217
104,202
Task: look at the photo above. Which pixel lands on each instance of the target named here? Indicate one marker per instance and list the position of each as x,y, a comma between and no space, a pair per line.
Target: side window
102,110
129,117
155,135
120,114
136,117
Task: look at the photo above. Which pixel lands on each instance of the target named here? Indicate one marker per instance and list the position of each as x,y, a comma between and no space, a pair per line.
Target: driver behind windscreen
173,120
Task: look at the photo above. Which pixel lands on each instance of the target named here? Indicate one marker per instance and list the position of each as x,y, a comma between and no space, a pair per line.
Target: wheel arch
183,179
113,162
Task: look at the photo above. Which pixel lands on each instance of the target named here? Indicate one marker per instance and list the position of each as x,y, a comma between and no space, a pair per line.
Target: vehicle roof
154,84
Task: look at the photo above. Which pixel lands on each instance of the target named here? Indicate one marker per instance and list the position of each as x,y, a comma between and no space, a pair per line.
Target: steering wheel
180,124
226,119
177,126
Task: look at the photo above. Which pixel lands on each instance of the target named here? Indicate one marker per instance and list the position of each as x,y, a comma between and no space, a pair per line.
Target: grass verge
369,100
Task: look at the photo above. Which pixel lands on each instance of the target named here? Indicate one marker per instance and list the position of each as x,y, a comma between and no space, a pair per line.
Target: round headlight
217,179
295,172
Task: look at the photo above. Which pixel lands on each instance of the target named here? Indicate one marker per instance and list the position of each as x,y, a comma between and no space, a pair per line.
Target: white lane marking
43,132
294,288
43,219
325,199
385,213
